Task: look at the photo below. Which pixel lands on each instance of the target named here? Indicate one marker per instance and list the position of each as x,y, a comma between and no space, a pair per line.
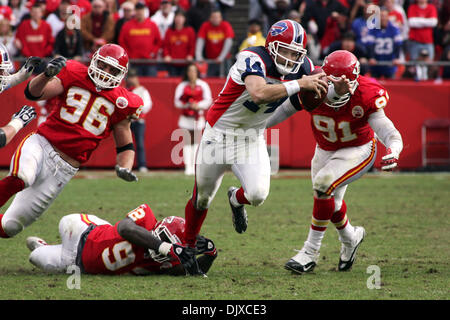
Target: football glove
186,256
389,161
125,174
31,64
205,246
25,115
54,66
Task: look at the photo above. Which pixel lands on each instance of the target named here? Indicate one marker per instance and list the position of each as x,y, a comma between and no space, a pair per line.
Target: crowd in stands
383,34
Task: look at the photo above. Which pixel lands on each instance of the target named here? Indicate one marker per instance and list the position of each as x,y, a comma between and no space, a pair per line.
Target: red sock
339,218
194,220
2,232
9,186
322,212
240,197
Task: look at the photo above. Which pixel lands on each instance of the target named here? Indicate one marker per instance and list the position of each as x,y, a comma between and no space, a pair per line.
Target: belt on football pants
81,243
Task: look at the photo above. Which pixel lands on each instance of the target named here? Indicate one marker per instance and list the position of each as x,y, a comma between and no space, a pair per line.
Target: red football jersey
106,252
84,115
215,37
347,126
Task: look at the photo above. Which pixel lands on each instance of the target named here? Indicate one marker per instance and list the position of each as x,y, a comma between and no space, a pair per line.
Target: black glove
54,66
187,258
26,115
32,63
206,246
125,174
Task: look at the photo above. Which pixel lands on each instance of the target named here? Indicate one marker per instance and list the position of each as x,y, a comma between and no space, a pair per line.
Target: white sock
234,200
187,159
346,235
314,240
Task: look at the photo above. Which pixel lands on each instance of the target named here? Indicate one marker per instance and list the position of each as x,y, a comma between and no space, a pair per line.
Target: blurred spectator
214,42
19,10
421,72
34,36
224,6
127,13
179,43
397,16
349,43
360,23
8,14
7,37
164,17
84,6
141,39
193,97
254,35
295,15
69,43
323,16
57,19
184,5
111,7
422,18
198,14
383,45
97,27
138,126
275,11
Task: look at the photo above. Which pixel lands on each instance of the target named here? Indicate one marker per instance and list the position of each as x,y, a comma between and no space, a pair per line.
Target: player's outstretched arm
19,120
262,92
45,85
125,151
389,136
25,72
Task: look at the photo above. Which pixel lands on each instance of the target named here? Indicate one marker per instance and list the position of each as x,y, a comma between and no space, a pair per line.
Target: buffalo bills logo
278,28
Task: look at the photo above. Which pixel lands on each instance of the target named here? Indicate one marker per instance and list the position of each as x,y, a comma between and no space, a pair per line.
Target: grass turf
405,216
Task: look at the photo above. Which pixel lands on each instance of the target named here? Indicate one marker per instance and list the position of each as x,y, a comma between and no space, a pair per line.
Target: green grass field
406,217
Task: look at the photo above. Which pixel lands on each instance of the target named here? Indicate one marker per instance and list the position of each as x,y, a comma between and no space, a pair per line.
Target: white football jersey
234,109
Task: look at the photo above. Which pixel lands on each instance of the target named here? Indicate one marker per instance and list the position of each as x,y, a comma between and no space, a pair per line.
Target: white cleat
303,261
348,250
35,242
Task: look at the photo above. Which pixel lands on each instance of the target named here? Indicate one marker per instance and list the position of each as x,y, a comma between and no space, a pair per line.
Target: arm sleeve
283,112
177,97
226,48
205,103
200,44
386,131
146,98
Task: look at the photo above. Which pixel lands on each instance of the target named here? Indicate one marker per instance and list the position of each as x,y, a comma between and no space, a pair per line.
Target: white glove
389,161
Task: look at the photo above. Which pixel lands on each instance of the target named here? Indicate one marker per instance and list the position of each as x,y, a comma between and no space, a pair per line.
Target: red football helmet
169,229
342,63
290,35
5,67
108,66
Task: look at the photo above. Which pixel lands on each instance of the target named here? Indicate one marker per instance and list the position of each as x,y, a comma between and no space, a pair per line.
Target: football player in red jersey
344,130
137,244
92,105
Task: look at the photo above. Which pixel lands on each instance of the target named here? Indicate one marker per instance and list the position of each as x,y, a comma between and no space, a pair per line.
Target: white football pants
332,171
57,258
246,155
44,173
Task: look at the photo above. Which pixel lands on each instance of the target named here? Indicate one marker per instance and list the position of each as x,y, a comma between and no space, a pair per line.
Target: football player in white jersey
26,113
260,80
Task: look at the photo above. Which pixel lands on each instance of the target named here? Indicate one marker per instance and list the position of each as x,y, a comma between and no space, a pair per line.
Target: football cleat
303,261
35,242
239,214
348,250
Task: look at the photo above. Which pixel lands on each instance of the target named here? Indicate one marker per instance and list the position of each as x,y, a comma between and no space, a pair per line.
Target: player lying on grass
138,244
346,149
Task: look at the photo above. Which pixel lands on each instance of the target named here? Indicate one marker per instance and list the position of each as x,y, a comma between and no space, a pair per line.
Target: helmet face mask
286,42
342,63
5,67
108,67
170,229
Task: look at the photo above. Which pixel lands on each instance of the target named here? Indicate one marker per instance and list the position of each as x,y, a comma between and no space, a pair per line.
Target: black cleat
239,214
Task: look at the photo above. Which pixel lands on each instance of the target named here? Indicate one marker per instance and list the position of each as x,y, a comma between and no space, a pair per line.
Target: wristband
16,124
164,248
292,87
2,138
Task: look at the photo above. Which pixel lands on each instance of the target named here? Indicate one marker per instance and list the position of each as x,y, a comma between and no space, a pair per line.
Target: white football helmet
5,67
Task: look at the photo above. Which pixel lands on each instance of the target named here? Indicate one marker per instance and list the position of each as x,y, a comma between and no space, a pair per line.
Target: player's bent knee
12,227
202,203
257,197
322,183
